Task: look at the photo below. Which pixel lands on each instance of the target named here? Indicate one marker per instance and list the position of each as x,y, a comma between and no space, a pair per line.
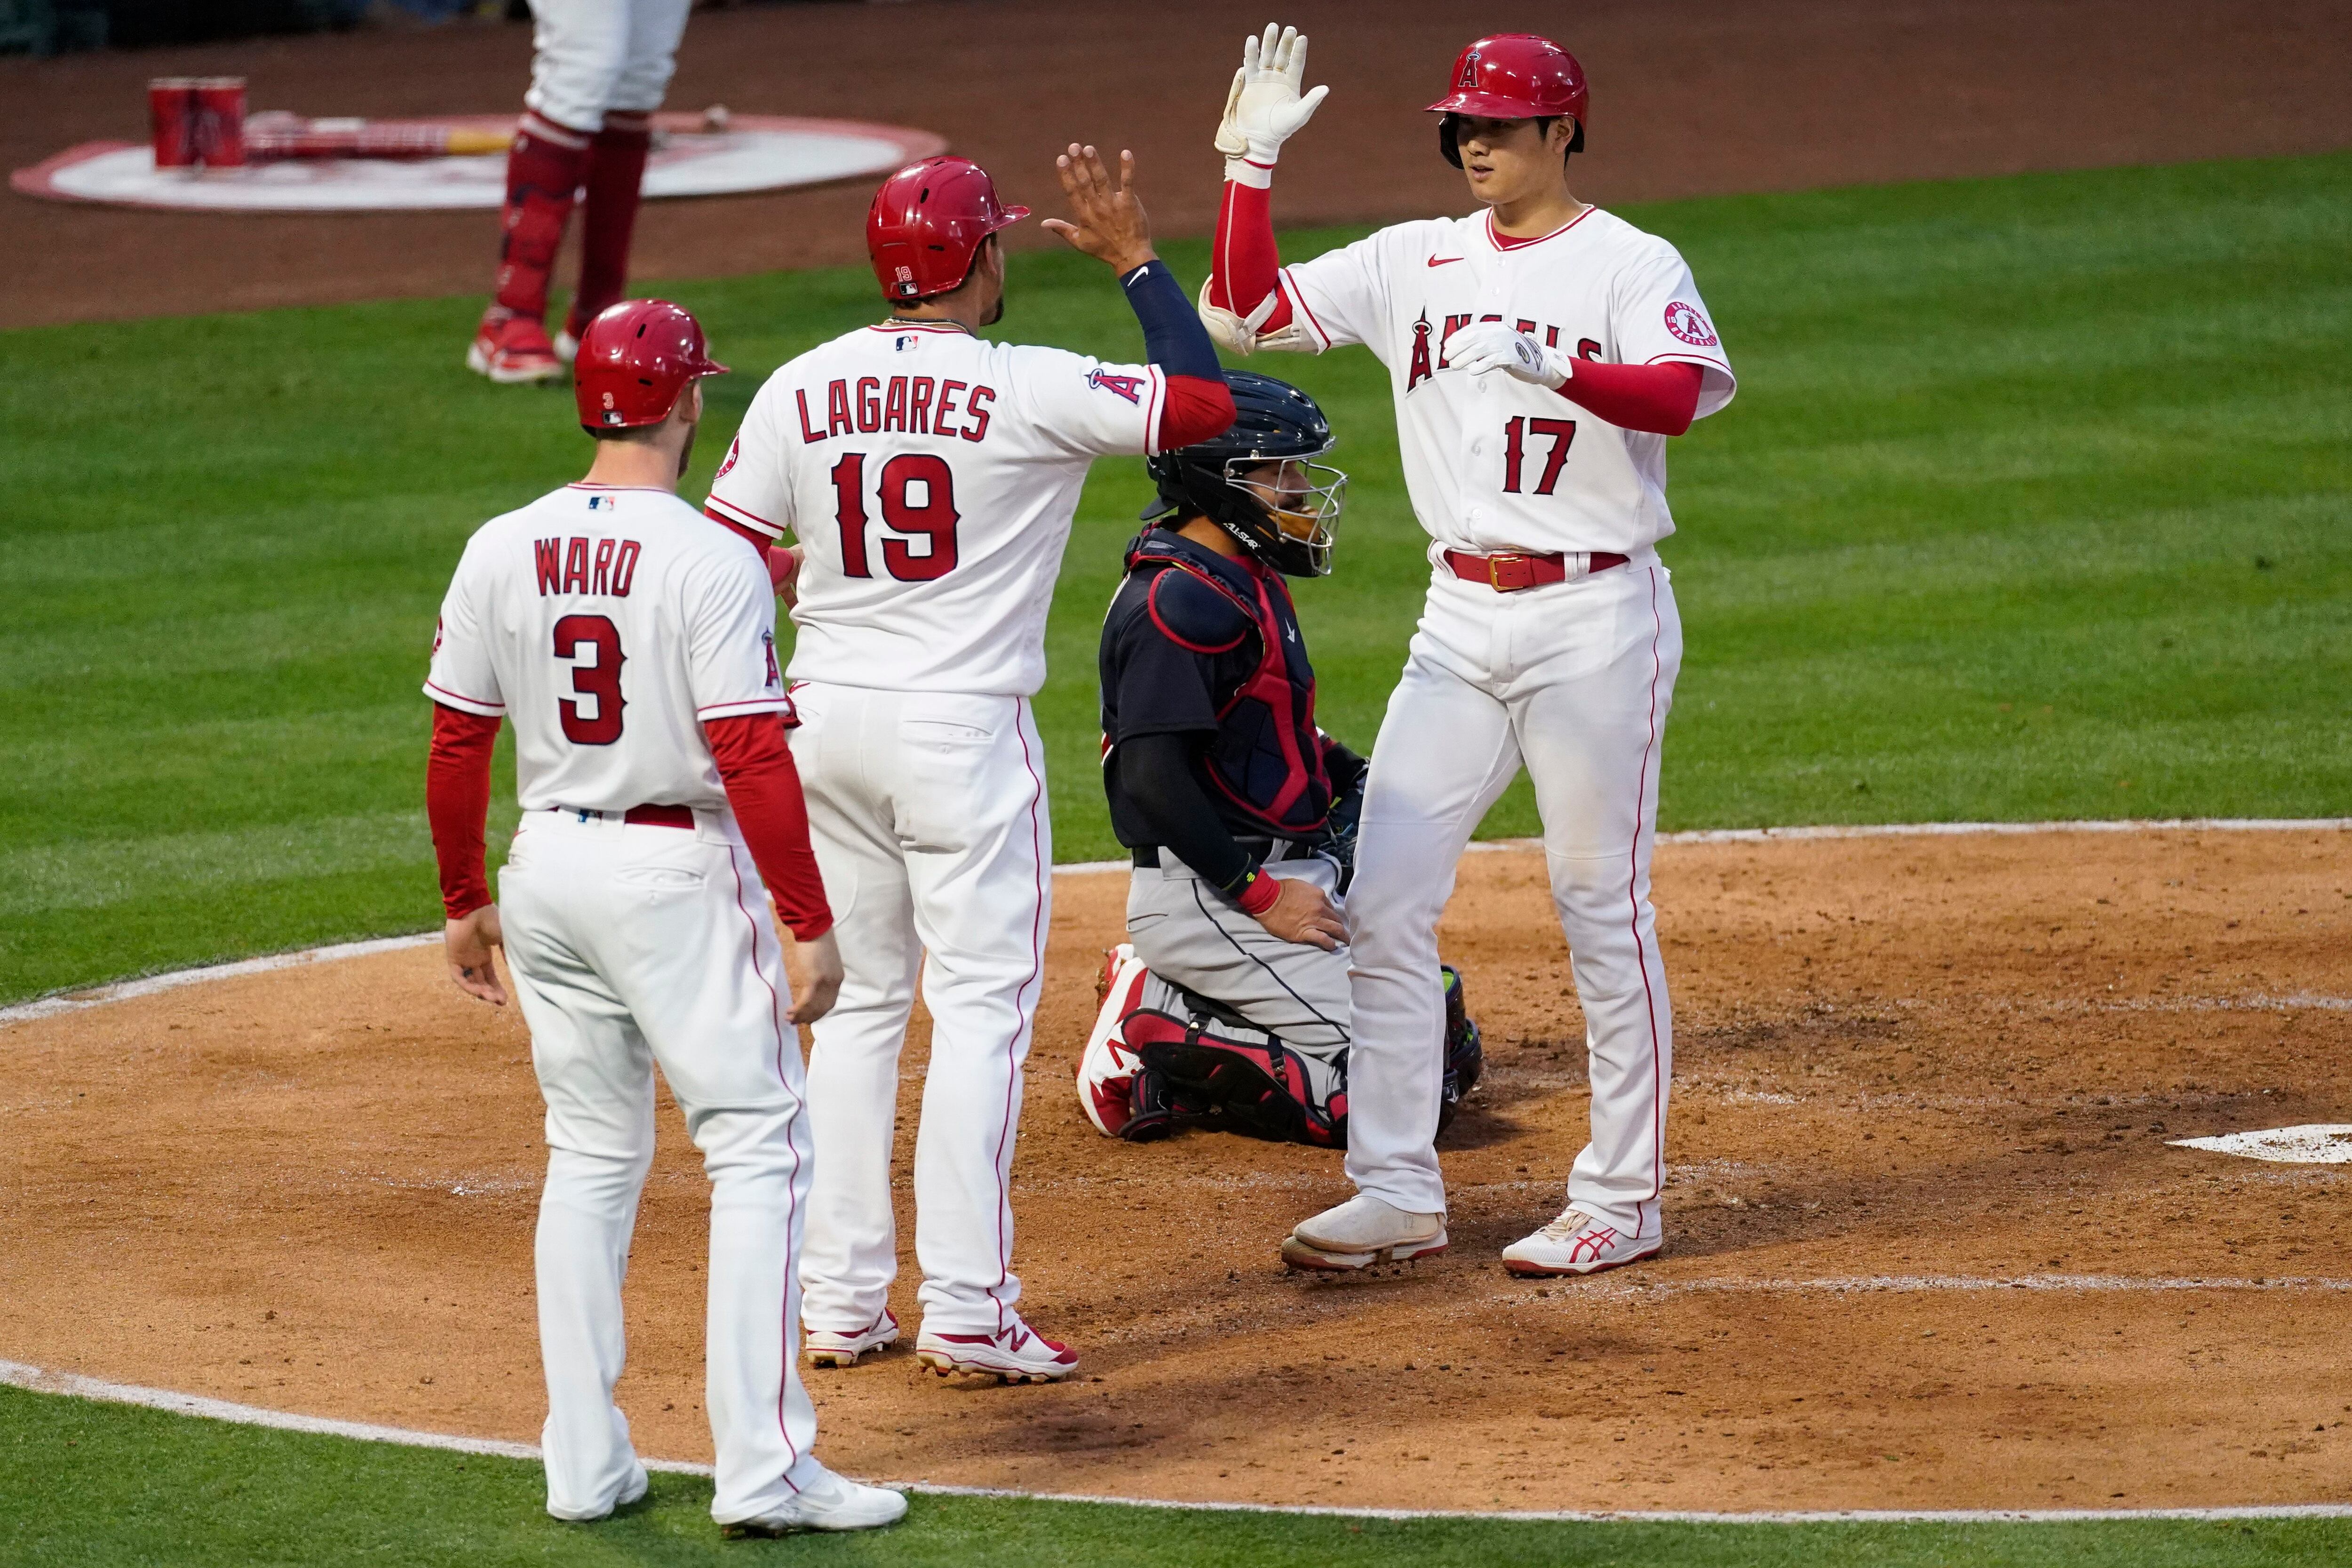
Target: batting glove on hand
1265,108
1484,346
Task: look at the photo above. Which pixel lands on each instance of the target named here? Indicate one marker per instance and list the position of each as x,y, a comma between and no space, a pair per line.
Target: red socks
617,168
543,172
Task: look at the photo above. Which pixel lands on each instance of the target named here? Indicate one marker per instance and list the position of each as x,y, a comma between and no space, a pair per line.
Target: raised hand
1110,226
1264,108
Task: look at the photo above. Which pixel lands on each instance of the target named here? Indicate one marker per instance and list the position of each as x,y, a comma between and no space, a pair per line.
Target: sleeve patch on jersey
1127,386
727,464
1193,616
1685,322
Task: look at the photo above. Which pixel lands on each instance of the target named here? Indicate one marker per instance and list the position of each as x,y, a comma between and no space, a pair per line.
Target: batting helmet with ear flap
1513,76
927,224
634,360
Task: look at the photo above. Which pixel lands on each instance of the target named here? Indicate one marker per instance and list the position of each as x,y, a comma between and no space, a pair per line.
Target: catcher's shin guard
1465,1054
1120,1096
1240,1080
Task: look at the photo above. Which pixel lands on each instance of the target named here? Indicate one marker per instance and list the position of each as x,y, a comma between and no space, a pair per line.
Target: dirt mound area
1928,1245
1690,97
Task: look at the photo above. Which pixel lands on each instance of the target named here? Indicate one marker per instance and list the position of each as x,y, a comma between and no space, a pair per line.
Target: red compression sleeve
1196,409
764,786
1247,265
457,803
1662,399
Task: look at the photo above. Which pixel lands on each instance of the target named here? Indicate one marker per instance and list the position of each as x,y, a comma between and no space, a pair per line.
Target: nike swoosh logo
1441,260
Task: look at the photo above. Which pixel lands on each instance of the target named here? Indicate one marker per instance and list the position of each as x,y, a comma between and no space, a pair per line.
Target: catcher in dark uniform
1227,1005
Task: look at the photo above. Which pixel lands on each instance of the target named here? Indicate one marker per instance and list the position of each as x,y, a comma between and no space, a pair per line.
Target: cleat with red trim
1576,1242
828,1502
1360,1233
512,348
842,1347
1016,1354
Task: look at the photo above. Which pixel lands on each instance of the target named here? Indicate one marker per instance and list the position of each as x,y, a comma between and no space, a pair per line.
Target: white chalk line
123,991
40,1380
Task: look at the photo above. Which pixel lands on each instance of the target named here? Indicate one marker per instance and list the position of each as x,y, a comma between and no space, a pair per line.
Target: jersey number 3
932,519
597,721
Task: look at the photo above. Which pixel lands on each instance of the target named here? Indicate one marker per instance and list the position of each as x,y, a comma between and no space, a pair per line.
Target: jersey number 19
917,493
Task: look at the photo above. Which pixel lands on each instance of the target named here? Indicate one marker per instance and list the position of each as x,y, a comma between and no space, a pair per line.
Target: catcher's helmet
634,360
1512,75
1284,522
927,223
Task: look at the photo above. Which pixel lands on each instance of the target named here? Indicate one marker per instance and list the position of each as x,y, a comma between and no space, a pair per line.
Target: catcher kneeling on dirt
1228,1006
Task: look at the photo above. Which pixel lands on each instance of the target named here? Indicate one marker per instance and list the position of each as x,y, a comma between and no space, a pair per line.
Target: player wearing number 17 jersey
930,476
1539,354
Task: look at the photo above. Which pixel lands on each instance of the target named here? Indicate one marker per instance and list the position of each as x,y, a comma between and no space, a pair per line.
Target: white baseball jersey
606,624
931,477
1493,463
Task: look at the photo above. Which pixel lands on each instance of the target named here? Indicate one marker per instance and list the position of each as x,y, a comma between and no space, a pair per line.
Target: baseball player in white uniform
1539,354
930,476
631,642
598,72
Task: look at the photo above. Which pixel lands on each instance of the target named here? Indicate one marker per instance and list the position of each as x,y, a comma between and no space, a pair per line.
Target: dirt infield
1690,97
1928,1246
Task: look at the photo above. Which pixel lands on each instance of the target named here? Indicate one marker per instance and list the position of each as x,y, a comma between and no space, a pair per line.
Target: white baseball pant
632,946
1187,933
1573,681
591,56
929,815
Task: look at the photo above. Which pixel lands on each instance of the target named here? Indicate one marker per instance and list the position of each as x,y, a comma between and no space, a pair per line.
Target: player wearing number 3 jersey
631,643
930,476
1539,354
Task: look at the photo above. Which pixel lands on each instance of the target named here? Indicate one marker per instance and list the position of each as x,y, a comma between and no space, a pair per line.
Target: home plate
2317,1143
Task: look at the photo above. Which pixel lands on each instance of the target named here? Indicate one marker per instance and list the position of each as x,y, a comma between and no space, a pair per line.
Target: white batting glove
1484,346
1265,108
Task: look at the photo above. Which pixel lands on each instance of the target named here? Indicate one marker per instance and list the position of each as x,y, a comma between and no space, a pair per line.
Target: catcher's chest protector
1266,762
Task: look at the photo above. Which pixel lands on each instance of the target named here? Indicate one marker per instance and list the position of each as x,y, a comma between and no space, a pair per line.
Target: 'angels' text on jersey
1495,464
931,477
607,625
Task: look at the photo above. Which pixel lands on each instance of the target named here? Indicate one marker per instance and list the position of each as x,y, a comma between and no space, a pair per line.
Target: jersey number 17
917,496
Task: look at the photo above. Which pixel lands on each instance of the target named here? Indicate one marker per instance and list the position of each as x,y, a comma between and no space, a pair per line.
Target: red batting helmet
925,225
1513,76
634,360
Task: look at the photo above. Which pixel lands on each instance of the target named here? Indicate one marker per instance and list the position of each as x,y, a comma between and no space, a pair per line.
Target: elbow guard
1241,335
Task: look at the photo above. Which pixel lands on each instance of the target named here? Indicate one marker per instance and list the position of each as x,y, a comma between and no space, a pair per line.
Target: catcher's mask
1256,480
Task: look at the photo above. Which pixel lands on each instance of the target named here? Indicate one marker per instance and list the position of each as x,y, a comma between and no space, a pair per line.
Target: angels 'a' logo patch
734,450
1127,386
1684,321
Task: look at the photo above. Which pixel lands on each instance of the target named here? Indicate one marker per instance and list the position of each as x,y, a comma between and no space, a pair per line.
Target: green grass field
95,1486
2037,502
2034,504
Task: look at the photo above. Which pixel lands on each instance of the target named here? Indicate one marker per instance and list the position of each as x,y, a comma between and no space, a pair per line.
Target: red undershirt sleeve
458,805
755,762
1196,409
1661,399
1247,265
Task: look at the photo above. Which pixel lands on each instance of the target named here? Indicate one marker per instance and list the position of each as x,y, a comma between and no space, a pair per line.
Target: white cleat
829,1502
567,347
1017,1354
1576,1242
842,1347
1360,1233
632,1491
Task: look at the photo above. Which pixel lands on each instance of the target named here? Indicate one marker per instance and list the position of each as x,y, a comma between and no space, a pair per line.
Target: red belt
644,815
1511,571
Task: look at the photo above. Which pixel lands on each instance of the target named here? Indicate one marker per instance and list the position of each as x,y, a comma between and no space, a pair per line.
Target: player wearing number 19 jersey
930,476
1539,354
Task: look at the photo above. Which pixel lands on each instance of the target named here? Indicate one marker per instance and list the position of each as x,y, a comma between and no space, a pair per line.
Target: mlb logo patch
604,503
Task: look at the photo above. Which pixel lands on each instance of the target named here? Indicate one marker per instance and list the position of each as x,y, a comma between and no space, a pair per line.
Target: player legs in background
1574,680
598,70
951,787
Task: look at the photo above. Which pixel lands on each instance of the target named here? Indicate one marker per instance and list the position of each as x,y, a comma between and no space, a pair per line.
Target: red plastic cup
220,121
172,114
